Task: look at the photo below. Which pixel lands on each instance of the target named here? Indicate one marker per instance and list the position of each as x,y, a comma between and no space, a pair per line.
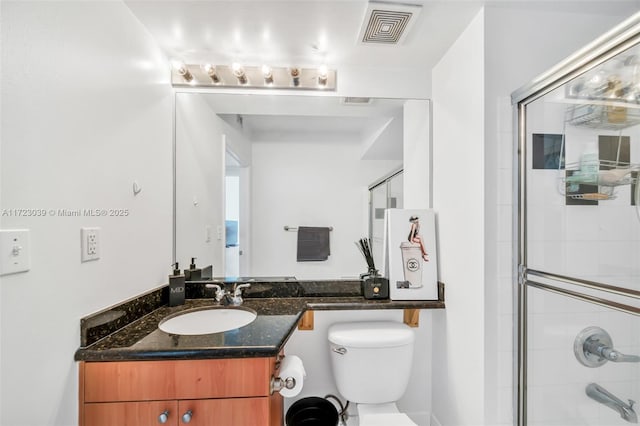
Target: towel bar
295,228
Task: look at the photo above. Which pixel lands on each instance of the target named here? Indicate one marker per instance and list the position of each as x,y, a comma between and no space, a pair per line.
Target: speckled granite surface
129,331
101,324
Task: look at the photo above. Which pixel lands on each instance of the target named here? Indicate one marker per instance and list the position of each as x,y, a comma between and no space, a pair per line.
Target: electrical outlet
90,244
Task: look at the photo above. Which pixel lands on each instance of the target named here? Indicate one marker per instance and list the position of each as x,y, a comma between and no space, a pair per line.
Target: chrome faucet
229,298
600,394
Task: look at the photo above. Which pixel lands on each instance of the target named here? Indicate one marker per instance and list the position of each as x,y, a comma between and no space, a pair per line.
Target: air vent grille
386,26
388,23
355,100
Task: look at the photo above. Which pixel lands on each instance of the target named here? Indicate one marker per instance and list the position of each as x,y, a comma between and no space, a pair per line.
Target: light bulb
268,74
211,72
182,70
323,74
295,76
238,71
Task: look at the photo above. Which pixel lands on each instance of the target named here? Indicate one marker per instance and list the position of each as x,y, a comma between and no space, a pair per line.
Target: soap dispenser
193,273
176,286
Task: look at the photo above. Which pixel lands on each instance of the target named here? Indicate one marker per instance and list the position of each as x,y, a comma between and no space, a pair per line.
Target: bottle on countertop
176,286
193,273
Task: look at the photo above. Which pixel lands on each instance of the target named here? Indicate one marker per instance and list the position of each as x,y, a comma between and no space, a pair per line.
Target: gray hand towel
313,243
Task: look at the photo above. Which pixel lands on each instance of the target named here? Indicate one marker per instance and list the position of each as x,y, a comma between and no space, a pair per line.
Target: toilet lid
395,419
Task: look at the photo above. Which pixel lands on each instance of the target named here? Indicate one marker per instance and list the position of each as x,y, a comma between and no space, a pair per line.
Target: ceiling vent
355,100
388,23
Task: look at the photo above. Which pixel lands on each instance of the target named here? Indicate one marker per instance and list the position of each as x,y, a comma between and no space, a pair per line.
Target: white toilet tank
371,361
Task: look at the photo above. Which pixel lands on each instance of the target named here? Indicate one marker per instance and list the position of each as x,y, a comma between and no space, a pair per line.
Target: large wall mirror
248,166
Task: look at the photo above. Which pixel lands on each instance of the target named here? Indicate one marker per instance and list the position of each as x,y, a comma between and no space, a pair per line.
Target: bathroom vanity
133,373
231,392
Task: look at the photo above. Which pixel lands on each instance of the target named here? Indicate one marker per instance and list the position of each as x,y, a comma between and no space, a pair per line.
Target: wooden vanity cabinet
130,413
217,392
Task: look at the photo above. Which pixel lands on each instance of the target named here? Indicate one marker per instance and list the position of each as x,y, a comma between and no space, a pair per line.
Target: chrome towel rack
295,228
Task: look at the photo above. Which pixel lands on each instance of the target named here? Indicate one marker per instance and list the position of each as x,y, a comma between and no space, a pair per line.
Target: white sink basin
207,321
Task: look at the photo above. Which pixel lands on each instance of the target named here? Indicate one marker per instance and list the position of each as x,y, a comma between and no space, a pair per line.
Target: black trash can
312,411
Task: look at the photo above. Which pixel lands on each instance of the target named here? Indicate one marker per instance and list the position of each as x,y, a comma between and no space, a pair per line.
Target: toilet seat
395,419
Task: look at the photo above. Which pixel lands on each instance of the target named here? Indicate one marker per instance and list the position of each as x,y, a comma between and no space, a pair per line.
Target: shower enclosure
385,193
577,262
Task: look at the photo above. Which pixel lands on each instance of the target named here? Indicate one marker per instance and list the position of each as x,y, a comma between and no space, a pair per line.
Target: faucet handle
237,291
219,292
616,356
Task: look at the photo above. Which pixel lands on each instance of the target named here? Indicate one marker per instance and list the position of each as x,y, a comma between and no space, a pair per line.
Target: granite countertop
129,330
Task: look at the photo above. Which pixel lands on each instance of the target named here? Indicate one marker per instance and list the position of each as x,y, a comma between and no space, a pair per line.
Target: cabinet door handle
186,417
162,418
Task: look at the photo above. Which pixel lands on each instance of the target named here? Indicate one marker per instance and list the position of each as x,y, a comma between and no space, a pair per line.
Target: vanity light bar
254,77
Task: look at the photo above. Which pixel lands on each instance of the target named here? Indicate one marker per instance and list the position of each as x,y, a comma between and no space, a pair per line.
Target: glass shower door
582,363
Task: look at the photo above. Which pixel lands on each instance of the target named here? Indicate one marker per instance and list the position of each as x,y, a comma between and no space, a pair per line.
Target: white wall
375,82
86,110
417,154
200,195
458,198
310,183
201,140
313,348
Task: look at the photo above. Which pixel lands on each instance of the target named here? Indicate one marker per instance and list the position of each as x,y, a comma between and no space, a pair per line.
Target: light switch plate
15,254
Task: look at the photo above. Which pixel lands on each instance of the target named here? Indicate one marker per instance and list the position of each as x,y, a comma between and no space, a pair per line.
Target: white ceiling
312,32
377,126
286,128
300,32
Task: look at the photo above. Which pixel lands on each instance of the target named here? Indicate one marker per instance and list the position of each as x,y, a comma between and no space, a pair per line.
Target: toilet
371,363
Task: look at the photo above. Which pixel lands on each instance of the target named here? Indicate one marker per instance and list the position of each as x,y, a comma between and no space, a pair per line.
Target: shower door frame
617,40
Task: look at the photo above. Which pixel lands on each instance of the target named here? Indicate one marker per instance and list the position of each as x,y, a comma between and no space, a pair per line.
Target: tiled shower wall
506,317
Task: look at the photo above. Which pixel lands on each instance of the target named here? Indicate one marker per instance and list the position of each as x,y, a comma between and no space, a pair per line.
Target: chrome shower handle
593,347
598,348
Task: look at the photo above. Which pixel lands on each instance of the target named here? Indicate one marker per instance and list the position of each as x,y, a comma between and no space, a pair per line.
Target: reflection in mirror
249,166
388,193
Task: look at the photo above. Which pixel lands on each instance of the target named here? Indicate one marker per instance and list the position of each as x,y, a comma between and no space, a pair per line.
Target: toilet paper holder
278,383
